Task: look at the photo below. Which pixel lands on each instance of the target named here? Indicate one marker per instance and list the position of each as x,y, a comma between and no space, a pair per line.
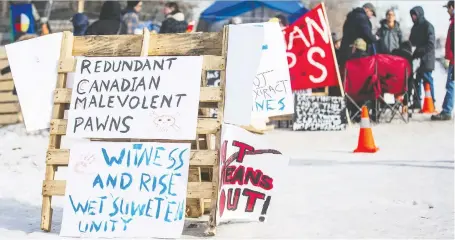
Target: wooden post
54,139
80,6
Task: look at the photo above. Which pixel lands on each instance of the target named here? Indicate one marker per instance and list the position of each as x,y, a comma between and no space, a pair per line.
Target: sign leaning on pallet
10,111
213,48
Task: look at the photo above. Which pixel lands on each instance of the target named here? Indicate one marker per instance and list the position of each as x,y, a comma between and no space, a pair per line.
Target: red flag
312,63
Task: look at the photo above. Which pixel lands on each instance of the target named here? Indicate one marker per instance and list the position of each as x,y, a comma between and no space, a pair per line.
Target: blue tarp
222,10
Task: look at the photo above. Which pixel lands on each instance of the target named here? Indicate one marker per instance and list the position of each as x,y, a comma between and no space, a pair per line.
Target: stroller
405,51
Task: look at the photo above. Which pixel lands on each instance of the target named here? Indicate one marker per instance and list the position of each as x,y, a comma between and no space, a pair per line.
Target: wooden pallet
204,155
10,111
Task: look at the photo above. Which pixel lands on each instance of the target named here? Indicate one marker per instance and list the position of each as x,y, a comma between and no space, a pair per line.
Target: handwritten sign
312,63
248,170
315,113
272,94
135,97
126,190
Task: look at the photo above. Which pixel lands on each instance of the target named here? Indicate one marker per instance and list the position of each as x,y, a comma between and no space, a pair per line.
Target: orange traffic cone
428,105
366,140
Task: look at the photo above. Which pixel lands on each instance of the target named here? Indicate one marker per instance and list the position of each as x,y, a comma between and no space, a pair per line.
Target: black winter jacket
423,38
110,22
174,23
356,25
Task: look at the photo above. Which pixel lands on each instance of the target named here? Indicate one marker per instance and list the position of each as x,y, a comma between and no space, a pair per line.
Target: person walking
389,33
423,38
109,22
130,16
357,25
447,105
175,20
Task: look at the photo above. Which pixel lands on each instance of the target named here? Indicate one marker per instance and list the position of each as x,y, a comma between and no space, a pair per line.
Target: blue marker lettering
111,160
137,162
95,226
149,203
171,183
172,158
281,104
101,203
98,181
138,208
168,211
111,181
145,178
158,207
113,224
163,184
260,106
125,221
269,107
86,227
148,157
157,156
116,208
79,207
181,159
90,207
124,185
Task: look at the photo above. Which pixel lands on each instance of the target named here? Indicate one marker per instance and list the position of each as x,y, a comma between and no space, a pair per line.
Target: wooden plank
8,97
6,86
282,117
194,189
107,46
213,63
9,107
6,77
207,95
9,118
55,140
209,62
183,44
61,157
204,126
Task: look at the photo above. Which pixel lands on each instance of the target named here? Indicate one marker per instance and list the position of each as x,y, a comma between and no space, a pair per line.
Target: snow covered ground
406,190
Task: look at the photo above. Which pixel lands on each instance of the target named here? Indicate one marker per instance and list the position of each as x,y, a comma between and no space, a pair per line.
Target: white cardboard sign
249,170
135,97
272,93
126,190
34,64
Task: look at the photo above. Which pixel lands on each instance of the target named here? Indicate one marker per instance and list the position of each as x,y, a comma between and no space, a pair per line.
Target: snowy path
404,190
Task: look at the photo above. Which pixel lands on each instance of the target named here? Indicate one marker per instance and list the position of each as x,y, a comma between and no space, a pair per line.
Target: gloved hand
446,63
418,53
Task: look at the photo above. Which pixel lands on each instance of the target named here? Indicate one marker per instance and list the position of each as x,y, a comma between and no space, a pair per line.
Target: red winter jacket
449,42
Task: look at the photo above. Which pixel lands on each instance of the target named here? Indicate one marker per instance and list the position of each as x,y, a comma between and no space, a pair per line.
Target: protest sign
272,94
316,113
135,97
126,190
34,66
312,60
248,175
243,40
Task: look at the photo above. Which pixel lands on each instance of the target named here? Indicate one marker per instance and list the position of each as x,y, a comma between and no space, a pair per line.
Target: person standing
80,24
109,22
389,33
447,105
423,38
130,16
175,20
357,25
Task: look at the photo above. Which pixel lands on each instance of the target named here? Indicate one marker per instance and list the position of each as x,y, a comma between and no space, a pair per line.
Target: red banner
312,62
